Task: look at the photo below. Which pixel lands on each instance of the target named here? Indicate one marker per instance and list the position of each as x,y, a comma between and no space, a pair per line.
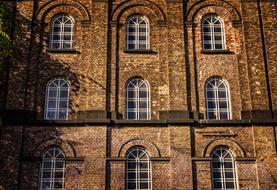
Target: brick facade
178,138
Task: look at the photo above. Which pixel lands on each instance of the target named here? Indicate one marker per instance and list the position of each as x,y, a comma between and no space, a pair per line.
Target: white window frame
136,20
61,20
137,99
138,152
58,156
212,18
57,99
217,110
221,160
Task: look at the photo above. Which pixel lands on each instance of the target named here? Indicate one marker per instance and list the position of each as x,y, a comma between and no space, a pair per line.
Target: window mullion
212,36
217,103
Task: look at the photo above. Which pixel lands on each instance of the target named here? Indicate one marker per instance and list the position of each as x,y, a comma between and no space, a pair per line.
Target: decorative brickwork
178,137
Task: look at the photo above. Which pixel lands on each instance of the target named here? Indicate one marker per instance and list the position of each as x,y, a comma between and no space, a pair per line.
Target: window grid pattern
138,170
138,33
57,99
138,100
213,33
62,32
223,170
52,170
217,99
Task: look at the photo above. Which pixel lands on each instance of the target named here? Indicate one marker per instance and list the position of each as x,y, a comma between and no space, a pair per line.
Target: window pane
143,115
131,115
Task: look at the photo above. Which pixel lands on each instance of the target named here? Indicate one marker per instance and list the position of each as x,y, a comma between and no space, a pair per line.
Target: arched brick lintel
233,146
47,7
66,147
129,4
236,17
151,148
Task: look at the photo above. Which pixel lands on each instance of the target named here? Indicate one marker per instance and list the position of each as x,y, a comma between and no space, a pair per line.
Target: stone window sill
70,51
224,51
140,51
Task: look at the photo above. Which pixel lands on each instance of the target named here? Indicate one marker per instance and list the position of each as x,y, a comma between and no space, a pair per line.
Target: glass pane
144,185
46,174
210,94
64,94
207,46
217,185
45,185
222,94
211,104
59,164
131,165
131,38
143,104
51,115
216,175
131,94
142,46
131,175
131,104
143,165
131,46
223,115
63,104
229,175
230,185
131,115
144,175
58,185
143,115
228,165
223,104
142,94
218,46
211,115
58,174
47,164
62,115
131,185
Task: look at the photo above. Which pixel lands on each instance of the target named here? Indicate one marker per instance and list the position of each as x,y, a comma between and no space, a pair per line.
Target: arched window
217,99
62,32
138,170
137,33
137,99
57,99
52,170
223,169
213,36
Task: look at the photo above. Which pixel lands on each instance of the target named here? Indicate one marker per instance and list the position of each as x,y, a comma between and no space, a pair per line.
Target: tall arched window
223,169
57,99
52,171
217,99
138,170
137,99
213,36
62,32
137,33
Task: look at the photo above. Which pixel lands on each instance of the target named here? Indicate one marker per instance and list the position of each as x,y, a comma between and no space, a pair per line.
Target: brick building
141,94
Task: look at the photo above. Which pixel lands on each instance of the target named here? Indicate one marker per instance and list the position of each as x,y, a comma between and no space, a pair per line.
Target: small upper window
213,36
62,32
137,99
57,99
223,169
52,170
217,99
137,33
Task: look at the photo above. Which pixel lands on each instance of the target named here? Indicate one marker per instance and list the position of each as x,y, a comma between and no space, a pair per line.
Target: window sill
140,51
217,51
71,51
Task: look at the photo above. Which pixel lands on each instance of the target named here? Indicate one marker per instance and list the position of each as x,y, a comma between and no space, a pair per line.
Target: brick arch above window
66,147
152,149
48,7
222,8
147,8
232,145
